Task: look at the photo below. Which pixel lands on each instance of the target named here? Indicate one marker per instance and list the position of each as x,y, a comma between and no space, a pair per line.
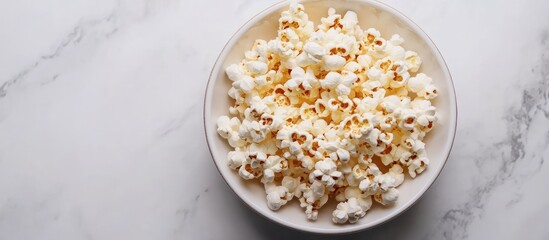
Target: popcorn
417,166
369,186
296,19
273,165
235,72
312,197
290,183
228,128
333,62
336,43
241,81
247,172
296,141
325,172
379,45
396,172
333,20
350,22
300,78
396,40
343,155
312,53
407,119
256,68
235,159
401,75
365,60
371,35
348,211
255,158
352,67
363,200
277,196
386,182
340,83
388,197
253,130
422,85
413,61
316,110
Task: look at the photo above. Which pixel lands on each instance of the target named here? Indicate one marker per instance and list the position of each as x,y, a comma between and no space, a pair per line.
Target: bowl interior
371,14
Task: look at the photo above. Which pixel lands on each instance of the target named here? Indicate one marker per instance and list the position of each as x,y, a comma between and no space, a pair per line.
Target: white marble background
101,134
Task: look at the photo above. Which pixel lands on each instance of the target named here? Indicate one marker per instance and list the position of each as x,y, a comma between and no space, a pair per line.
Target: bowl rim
345,229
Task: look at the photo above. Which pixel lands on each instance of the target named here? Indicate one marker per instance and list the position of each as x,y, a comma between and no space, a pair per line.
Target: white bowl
371,14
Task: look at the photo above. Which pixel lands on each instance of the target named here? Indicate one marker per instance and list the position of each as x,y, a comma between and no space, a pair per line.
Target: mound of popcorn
333,112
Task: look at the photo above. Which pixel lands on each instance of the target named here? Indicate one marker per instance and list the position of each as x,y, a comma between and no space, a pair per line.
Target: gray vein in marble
77,214
9,205
511,150
73,38
242,6
176,124
188,213
516,199
191,211
50,80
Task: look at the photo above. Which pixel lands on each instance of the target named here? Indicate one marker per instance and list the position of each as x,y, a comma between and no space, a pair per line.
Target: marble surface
101,128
